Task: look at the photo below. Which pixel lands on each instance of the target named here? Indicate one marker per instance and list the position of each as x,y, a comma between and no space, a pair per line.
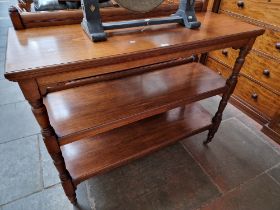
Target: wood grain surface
263,10
89,157
218,67
266,103
254,66
43,50
261,69
88,110
227,56
267,42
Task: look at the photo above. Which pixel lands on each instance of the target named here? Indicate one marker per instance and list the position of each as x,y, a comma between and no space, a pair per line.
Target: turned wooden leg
230,86
32,94
53,148
203,58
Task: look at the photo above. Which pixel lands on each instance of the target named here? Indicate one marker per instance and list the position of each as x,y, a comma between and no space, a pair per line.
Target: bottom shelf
92,156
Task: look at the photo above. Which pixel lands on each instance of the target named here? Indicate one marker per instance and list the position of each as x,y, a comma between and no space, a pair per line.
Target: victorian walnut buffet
101,105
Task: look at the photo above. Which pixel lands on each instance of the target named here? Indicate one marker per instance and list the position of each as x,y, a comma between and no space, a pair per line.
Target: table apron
59,81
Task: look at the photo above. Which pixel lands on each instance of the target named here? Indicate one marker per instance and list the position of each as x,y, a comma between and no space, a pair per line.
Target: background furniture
102,105
23,16
258,93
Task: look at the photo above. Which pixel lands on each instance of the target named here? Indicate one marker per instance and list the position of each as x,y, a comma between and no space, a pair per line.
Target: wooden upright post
230,84
32,95
15,18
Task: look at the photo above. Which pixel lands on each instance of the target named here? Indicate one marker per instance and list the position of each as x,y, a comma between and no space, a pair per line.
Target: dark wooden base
92,156
271,133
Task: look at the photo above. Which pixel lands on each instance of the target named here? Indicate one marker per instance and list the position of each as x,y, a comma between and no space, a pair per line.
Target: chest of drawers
259,92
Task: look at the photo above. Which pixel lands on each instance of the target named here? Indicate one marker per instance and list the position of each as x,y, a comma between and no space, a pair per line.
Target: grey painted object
94,27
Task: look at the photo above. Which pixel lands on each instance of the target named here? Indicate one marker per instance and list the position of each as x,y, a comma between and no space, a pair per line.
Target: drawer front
260,98
263,10
219,68
264,70
269,43
263,100
227,56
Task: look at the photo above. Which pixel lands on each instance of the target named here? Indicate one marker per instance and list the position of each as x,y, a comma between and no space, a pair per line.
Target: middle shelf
88,110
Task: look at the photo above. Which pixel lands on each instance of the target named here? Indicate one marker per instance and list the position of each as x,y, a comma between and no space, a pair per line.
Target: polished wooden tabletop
49,47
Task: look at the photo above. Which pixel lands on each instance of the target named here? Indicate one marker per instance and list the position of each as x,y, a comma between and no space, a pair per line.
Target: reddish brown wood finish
38,57
264,55
262,70
31,93
266,101
104,77
230,86
216,6
272,129
262,10
68,47
88,110
15,18
103,152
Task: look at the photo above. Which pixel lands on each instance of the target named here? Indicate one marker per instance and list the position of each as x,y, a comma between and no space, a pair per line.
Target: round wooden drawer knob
240,4
277,45
254,96
225,52
266,72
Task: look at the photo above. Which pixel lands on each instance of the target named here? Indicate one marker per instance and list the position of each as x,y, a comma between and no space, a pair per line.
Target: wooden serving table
101,105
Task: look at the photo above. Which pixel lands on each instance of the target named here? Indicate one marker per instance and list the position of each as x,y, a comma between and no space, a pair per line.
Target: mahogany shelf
88,110
92,156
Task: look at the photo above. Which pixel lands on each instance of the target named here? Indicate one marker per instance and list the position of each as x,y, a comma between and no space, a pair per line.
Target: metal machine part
95,29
